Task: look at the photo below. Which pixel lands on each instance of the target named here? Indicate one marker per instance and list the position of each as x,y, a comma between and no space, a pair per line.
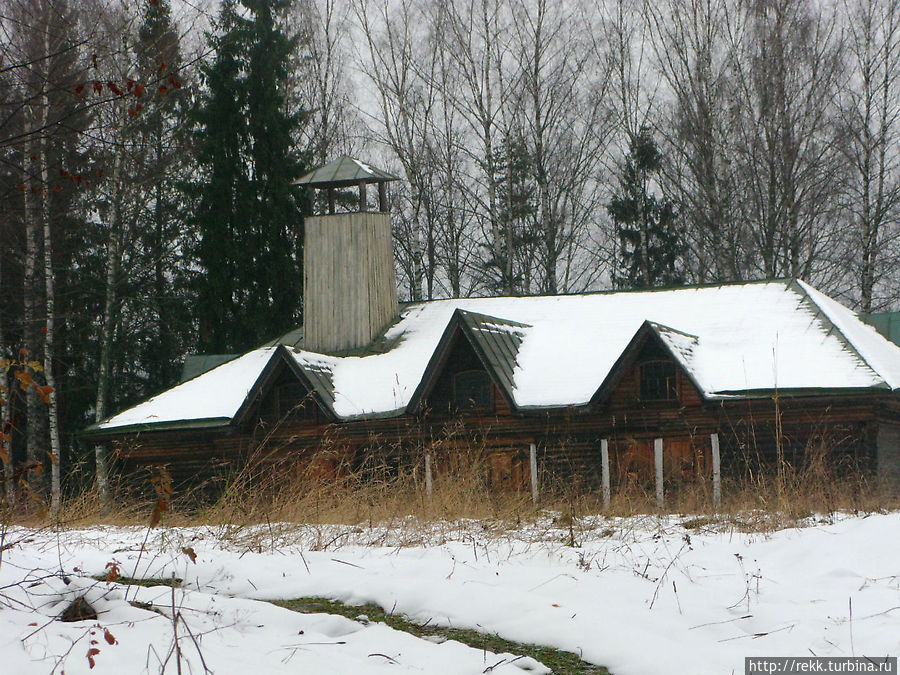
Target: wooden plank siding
348,309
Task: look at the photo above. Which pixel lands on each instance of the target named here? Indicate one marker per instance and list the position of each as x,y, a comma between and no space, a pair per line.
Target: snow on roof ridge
666,333
869,344
784,282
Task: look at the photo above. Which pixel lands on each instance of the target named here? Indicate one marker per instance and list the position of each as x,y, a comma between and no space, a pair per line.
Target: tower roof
343,172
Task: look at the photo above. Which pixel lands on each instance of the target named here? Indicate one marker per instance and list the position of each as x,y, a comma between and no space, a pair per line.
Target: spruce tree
221,191
276,275
160,128
651,242
248,216
507,266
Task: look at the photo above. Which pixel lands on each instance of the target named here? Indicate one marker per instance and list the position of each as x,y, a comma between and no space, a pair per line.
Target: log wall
847,432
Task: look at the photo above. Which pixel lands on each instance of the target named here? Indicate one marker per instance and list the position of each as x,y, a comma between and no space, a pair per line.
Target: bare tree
785,57
689,43
476,39
322,82
620,40
6,450
870,128
560,88
401,70
45,36
457,245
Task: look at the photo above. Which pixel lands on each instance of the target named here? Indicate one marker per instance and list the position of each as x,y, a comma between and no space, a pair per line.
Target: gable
471,344
653,377
463,384
283,386
287,400
497,342
651,370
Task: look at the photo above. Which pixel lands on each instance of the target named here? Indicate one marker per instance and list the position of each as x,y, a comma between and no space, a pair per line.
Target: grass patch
148,606
132,581
697,523
559,661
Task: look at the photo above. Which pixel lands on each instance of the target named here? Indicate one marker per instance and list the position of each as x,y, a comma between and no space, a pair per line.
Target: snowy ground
637,595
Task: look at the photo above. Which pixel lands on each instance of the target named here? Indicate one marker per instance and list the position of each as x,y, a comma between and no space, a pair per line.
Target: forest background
148,149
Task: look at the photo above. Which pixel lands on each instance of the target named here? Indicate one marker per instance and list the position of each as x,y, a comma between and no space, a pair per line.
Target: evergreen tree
509,263
248,215
221,210
646,225
161,132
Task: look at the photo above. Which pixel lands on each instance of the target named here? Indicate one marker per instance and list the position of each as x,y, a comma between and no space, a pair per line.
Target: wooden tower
349,286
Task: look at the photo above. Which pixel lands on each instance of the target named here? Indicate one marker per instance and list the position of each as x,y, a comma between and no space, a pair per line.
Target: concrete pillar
716,469
604,472
658,464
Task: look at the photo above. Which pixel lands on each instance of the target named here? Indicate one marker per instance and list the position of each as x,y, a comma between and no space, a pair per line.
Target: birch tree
870,129
785,56
476,36
689,44
401,69
6,449
322,82
560,90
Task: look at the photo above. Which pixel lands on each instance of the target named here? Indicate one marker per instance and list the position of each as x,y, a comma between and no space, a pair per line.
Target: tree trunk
6,415
53,411
101,452
32,402
509,287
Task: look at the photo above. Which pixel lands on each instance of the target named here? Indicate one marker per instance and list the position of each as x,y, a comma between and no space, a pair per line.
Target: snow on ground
638,595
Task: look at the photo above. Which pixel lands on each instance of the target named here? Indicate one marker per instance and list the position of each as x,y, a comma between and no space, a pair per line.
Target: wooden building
593,390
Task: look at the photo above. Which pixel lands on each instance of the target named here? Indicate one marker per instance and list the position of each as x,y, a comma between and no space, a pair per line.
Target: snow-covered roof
732,340
215,395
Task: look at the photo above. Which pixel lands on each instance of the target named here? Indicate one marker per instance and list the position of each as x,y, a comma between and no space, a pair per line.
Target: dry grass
300,493
263,492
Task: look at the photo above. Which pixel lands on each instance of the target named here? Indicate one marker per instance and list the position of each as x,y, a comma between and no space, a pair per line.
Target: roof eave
97,431
799,392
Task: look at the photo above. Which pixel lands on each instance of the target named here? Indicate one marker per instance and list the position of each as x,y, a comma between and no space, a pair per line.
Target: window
472,390
658,381
293,402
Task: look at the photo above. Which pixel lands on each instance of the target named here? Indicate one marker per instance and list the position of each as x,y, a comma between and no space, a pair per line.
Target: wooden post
363,206
604,469
331,200
382,197
532,459
428,474
716,469
310,200
658,463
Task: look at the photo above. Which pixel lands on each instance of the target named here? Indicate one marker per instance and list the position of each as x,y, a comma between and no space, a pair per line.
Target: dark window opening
294,402
658,381
472,390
